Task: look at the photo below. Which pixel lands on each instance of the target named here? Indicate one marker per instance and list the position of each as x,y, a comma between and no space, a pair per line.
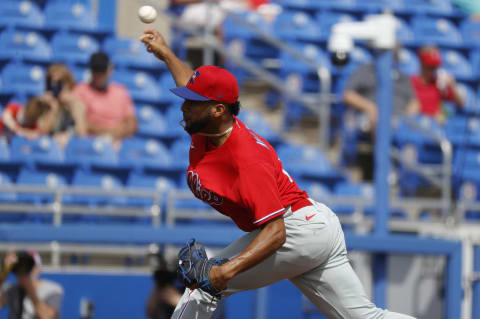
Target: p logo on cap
192,79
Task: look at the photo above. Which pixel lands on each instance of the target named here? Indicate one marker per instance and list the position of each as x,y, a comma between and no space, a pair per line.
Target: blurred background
92,158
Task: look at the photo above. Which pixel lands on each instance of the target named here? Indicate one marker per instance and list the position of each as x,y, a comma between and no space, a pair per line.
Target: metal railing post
324,107
57,208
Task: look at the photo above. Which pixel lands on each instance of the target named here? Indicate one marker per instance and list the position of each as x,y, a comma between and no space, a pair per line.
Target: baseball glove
194,267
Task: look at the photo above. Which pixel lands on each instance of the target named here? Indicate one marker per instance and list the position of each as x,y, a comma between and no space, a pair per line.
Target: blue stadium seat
436,30
308,163
297,25
359,56
475,61
142,86
130,53
4,151
145,154
471,106
304,5
458,65
300,77
43,151
416,148
316,5
159,183
437,7
463,131
73,48
174,116
380,6
313,52
470,31
151,122
22,78
405,134
408,62
71,16
49,180
234,30
27,46
255,121
359,190
90,153
352,132
21,13
97,180
180,151
316,191
325,20
241,40
6,196
165,83
405,34
467,159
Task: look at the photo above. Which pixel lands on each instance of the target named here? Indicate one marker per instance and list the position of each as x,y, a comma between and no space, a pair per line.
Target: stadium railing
58,209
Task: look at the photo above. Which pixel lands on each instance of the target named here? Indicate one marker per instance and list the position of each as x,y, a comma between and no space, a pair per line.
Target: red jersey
243,178
430,96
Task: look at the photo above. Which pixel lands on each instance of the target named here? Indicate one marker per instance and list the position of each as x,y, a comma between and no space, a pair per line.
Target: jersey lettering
257,139
205,195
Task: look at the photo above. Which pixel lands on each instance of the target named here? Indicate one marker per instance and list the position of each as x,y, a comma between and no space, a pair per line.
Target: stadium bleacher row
30,39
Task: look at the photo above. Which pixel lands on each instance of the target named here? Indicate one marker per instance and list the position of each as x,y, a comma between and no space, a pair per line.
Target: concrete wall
128,24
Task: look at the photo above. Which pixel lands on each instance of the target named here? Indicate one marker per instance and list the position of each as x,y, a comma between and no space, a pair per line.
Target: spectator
31,297
196,14
108,106
165,293
360,96
67,115
29,121
433,85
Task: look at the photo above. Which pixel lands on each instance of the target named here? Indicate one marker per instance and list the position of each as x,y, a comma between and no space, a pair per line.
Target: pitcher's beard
197,126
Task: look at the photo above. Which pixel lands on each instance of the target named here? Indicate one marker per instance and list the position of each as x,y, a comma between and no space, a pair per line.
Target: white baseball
147,14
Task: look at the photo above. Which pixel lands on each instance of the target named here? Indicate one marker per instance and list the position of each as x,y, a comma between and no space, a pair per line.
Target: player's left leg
334,288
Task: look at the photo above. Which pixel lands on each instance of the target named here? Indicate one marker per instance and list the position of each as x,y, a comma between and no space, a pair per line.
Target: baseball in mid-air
147,14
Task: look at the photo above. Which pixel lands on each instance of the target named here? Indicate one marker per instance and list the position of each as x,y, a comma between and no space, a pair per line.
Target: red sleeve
13,108
449,94
260,194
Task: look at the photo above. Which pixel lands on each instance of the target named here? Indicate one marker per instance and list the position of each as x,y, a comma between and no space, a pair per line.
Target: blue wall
124,296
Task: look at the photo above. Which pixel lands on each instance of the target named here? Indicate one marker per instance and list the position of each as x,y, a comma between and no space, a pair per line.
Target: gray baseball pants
313,258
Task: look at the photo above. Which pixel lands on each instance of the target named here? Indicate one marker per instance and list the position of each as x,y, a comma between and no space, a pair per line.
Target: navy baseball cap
99,62
208,83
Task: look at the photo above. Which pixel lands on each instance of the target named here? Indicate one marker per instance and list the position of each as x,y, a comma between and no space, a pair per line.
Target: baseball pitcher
238,173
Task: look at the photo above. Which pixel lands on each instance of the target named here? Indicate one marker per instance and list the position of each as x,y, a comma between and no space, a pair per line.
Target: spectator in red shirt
433,85
29,121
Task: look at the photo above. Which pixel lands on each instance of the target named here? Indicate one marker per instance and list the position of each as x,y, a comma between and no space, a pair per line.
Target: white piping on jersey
217,134
269,215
